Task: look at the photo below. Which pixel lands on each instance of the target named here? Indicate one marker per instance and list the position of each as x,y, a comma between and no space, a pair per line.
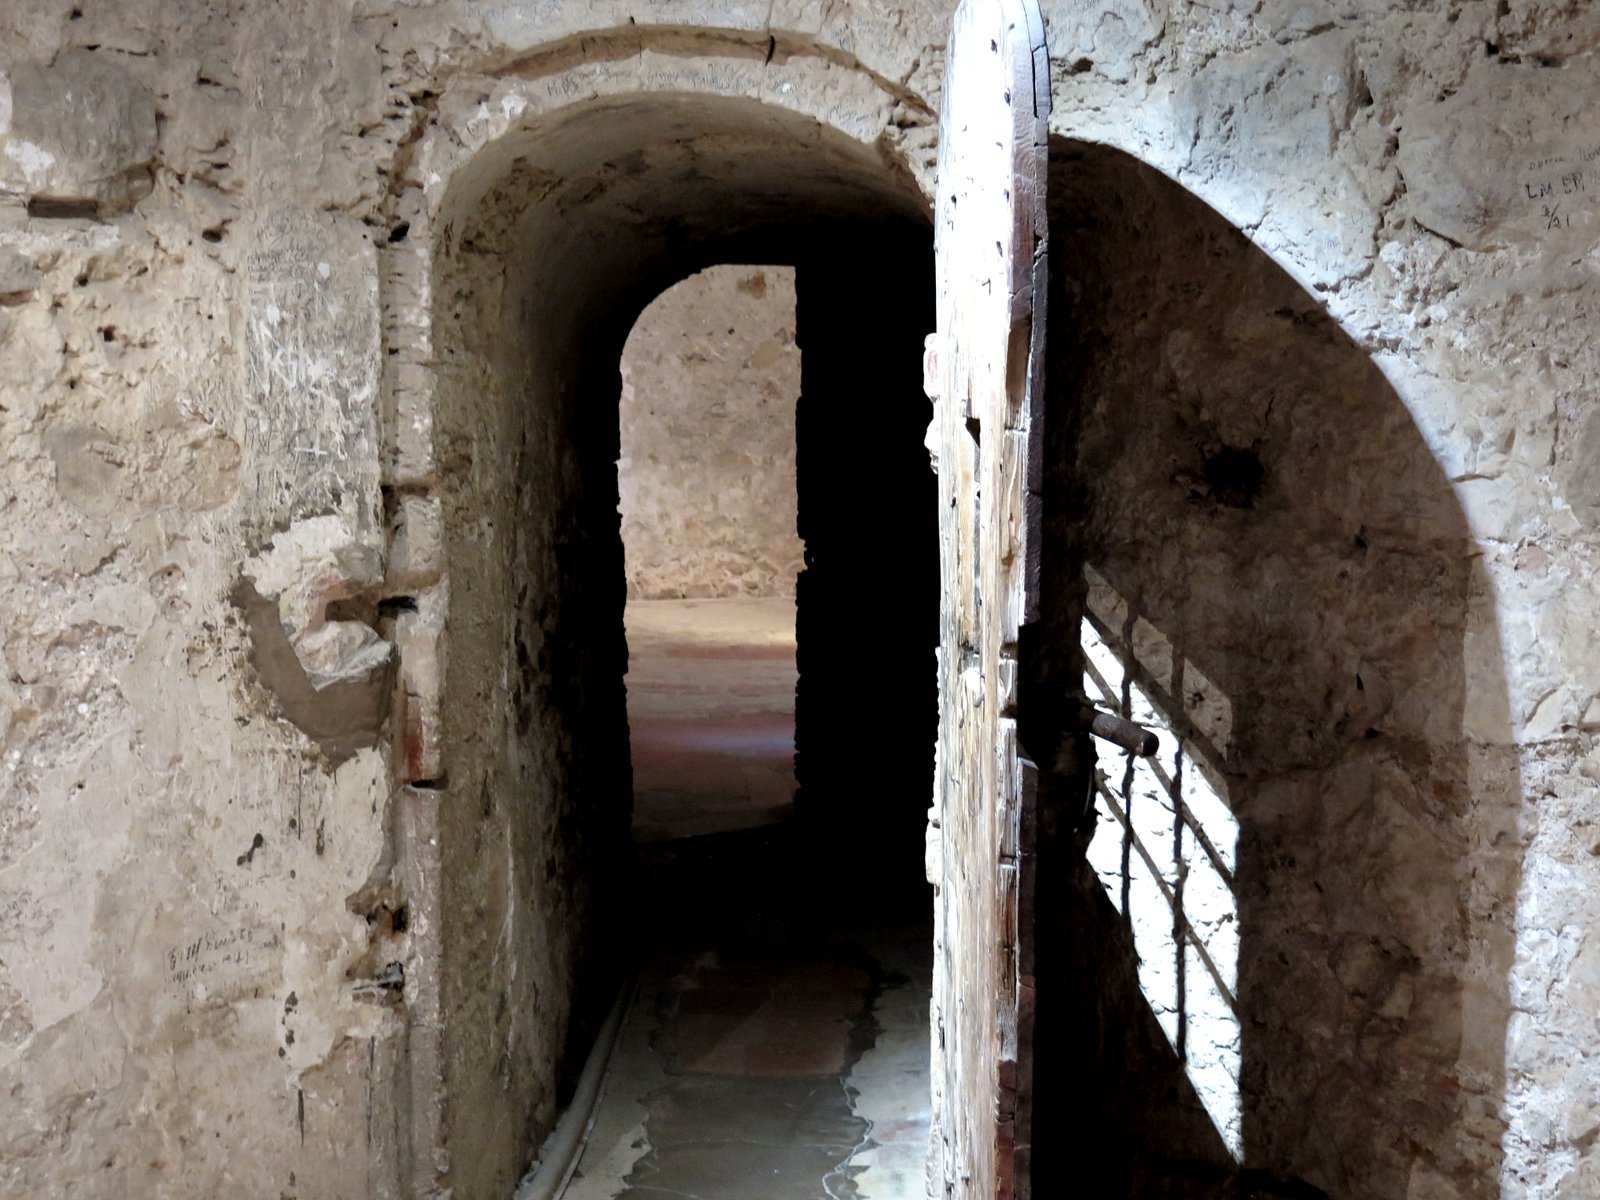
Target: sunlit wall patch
1165,842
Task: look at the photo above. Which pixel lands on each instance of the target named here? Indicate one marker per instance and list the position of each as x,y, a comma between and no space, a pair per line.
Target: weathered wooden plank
985,367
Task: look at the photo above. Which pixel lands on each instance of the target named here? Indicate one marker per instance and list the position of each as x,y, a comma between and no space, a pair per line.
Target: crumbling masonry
313,781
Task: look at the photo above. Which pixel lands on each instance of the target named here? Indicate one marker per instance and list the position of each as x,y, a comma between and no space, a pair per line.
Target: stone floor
711,714
777,1043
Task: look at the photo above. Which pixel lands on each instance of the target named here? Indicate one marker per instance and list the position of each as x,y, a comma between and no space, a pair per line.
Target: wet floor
777,1042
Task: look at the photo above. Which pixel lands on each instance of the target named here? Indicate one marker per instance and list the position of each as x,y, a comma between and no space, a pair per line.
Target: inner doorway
561,234
778,1027
710,388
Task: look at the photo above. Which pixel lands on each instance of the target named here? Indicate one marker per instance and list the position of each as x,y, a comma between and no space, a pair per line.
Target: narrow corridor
774,1043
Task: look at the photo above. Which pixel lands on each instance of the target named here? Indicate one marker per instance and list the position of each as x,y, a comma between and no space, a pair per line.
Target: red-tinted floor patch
770,1019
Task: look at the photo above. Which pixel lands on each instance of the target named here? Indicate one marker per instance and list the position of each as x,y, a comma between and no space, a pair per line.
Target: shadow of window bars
1165,841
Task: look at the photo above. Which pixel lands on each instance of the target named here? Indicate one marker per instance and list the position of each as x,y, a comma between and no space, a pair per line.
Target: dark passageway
867,707
559,244
777,1031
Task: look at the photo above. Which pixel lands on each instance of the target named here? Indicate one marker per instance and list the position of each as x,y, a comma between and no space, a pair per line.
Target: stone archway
541,212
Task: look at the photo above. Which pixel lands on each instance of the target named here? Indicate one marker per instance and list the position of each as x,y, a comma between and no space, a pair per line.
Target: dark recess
867,619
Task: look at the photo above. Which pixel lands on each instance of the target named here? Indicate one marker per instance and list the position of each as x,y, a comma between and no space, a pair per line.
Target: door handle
1119,731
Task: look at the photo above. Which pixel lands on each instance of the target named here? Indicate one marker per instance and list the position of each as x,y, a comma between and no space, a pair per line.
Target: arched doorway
532,254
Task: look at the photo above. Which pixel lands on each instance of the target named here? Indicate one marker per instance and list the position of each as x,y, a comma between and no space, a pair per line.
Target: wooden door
984,373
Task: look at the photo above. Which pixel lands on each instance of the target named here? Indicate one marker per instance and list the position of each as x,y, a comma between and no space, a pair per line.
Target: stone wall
710,379
197,928
533,784
1278,578
240,852
1417,892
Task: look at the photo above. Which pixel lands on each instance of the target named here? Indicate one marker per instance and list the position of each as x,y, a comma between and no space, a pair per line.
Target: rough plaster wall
188,328
197,232
1281,568
710,379
1415,167
208,921
536,737
1399,162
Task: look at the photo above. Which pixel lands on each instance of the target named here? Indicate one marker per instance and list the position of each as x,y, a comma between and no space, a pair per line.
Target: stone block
409,458
18,276
416,553
81,136
1109,35
420,637
1502,162
1551,31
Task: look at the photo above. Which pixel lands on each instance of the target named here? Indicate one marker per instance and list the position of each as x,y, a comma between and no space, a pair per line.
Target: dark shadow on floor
765,1051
